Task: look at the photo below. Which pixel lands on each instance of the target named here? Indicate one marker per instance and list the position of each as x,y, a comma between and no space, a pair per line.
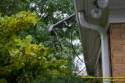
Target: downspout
104,45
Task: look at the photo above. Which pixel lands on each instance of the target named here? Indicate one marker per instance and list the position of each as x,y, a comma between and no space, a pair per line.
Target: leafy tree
32,54
25,60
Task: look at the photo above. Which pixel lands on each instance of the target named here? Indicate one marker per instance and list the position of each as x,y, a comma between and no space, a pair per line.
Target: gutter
104,45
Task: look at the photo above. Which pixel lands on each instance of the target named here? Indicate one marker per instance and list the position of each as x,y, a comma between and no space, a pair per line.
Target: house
102,29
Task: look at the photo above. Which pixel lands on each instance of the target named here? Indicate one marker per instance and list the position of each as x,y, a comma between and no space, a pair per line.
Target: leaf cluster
25,60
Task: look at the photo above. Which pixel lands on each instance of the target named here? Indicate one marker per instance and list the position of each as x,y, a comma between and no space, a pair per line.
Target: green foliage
3,81
10,25
25,60
90,79
15,50
9,7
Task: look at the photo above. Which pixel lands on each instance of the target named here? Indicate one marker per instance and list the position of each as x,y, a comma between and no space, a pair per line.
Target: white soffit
116,7
117,11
